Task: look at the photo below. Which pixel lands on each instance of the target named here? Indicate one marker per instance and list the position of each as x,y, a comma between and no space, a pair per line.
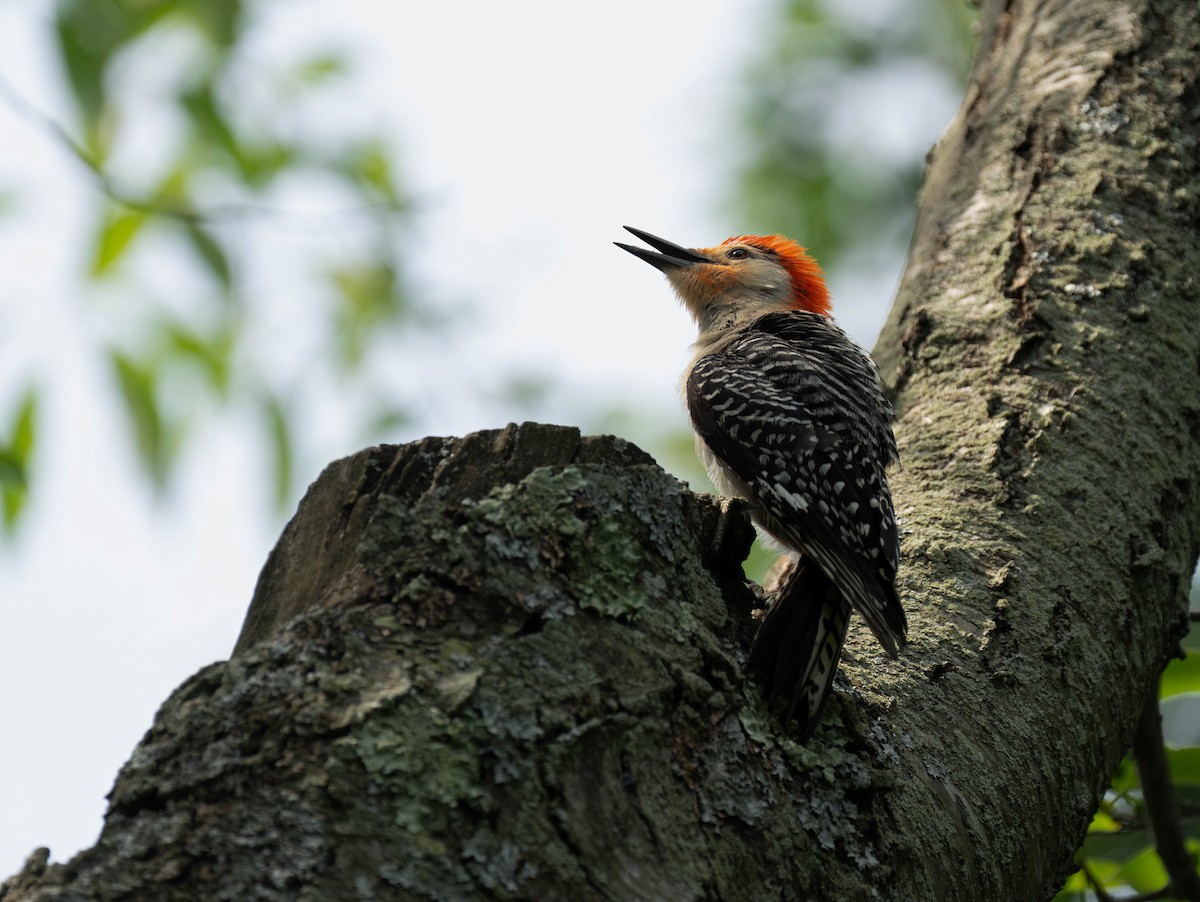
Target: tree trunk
509,666
1046,349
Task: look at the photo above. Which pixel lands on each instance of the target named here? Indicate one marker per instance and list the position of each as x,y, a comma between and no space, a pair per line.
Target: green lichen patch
418,761
613,587
533,521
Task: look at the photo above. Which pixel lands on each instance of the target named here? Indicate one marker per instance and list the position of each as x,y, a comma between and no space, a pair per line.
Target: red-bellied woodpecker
790,415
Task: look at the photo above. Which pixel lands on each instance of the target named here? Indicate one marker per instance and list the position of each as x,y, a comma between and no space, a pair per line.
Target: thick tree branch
1045,347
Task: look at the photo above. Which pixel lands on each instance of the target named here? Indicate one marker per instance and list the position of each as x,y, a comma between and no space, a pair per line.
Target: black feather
794,412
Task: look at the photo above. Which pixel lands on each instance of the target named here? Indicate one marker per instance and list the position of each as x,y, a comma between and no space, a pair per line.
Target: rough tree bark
1045,348
509,666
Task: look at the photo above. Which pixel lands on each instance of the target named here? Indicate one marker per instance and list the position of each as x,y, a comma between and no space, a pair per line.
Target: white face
738,276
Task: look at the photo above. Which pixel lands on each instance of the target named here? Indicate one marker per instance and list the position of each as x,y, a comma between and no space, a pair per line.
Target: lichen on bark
523,681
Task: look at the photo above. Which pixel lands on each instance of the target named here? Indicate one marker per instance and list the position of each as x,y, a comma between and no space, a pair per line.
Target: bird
791,416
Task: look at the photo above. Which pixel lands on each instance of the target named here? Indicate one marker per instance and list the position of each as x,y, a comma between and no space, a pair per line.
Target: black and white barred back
795,420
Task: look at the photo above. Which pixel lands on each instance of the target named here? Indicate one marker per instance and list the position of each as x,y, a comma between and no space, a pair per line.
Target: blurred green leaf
262,163
1181,676
227,154
321,68
220,20
208,120
172,191
14,488
212,353
12,470
1102,822
370,166
1104,870
137,384
83,62
1185,765
1074,890
1144,872
89,34
213,136
24,426
280,435
369,298
1126,777
210,252
116,233
15,458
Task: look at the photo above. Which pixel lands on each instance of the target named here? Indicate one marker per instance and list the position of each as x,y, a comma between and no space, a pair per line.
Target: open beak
672,254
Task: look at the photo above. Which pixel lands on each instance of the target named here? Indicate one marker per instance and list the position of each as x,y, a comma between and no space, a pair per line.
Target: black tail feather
796,652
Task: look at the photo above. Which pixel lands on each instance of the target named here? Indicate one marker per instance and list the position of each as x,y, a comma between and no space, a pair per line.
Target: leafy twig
157,207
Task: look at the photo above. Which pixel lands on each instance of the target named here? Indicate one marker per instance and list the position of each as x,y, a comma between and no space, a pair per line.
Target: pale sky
531,133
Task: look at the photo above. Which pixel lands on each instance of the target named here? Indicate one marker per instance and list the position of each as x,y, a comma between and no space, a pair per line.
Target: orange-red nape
808,282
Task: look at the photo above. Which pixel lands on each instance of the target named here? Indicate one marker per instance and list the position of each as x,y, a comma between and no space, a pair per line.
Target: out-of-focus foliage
16,453
198,141
1118,857
833,146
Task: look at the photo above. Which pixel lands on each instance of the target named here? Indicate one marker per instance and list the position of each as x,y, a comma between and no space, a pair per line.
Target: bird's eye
739,253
